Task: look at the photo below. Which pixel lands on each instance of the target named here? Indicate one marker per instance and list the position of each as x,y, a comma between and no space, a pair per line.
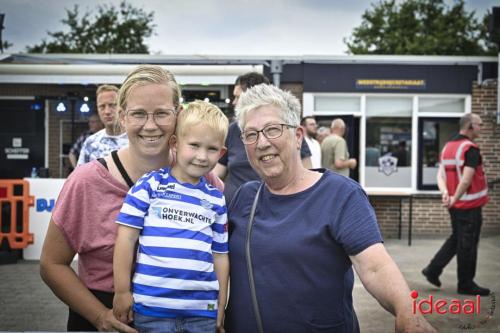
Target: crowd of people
160,237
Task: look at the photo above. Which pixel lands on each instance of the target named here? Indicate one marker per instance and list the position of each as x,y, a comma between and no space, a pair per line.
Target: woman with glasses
295,236
83,221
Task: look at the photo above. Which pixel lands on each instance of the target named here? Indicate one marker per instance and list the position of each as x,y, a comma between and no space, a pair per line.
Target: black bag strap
255,303
103,162
119,165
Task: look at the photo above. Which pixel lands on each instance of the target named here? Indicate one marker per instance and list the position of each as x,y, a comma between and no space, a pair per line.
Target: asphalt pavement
27,304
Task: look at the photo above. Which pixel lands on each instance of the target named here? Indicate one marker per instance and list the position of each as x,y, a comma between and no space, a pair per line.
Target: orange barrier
14,218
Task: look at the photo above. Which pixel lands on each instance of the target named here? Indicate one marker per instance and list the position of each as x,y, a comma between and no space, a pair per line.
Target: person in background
234,167
334,153
95,125
322,133
83,219
179,221
464,190
111,137
310,128
308,229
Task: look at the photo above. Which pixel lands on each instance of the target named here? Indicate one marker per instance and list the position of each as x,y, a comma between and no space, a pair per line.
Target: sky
216,27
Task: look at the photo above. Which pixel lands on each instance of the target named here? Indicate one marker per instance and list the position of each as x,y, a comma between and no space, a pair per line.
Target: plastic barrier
14,218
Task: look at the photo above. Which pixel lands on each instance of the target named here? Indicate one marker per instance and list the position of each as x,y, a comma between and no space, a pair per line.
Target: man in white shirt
103,142
310,127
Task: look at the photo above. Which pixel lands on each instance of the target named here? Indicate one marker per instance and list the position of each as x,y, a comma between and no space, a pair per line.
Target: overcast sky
216,27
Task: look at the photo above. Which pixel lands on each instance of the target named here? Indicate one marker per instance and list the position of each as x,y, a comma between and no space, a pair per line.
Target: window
441,105
385,133
433,134
388,142
337,103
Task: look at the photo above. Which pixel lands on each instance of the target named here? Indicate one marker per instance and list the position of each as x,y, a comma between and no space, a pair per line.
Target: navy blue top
300,251
239,170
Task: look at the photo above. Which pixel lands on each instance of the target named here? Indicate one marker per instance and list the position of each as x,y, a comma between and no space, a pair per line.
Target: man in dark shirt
464,191
234,167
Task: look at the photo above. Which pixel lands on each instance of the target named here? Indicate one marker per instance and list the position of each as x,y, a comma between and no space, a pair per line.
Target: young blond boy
180,221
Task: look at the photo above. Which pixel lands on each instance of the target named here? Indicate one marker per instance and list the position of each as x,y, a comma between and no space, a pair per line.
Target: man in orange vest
464,191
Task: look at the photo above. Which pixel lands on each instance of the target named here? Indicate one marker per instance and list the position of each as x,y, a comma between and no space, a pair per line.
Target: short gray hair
268,95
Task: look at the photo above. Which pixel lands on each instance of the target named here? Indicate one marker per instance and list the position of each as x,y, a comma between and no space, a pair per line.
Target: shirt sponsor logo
179,215
206,204
166,187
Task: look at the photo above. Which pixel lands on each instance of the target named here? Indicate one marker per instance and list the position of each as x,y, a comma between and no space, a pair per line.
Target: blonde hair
200,112
148,74
106,87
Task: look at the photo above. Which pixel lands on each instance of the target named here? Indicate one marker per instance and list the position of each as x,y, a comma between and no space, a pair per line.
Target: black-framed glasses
140,117
272,131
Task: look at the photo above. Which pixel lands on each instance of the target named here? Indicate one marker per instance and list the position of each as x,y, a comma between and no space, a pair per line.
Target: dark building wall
439,79
52,91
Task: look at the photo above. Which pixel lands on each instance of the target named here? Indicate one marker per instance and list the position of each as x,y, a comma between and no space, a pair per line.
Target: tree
111,30
420,27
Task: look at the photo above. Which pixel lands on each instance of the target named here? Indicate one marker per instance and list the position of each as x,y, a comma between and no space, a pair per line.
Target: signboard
395,84
45,191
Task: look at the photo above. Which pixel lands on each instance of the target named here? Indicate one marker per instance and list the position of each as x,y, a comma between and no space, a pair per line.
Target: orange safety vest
453,159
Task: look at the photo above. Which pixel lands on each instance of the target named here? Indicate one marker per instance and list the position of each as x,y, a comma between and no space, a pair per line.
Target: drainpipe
498,89
276,70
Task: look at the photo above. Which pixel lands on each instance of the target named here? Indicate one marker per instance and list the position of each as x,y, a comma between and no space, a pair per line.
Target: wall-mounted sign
17,142
17,153
395,84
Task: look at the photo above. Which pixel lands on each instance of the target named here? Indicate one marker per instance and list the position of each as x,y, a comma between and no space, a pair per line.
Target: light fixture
227,100
84,108
61,107
207,99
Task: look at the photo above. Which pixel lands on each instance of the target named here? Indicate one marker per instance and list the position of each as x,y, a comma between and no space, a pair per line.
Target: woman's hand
122,307
107,322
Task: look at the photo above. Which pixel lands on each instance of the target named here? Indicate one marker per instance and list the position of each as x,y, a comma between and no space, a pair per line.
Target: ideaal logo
471,307
45,205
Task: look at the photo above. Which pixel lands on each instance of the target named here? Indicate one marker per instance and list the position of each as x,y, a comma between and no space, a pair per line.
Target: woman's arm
57,273
383,280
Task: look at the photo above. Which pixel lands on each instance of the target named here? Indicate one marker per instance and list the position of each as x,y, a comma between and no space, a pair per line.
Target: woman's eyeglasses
161,117
273,131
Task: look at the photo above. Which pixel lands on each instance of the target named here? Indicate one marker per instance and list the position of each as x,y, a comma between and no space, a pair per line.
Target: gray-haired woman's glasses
161,117
273,131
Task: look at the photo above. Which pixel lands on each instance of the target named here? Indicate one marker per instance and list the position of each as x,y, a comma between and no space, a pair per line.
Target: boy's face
197,152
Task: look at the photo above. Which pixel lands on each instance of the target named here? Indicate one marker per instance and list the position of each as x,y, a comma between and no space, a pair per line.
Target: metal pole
276,70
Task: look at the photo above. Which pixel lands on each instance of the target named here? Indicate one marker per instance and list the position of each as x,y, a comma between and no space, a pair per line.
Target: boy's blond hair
200,112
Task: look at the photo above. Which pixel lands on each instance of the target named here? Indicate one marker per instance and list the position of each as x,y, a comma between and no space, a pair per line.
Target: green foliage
420,27
111,30
5,45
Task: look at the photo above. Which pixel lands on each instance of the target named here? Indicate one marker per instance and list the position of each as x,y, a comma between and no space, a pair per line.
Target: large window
388,142
400,135
433,134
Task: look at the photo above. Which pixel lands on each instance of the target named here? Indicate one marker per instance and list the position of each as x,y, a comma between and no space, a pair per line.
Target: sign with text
394,84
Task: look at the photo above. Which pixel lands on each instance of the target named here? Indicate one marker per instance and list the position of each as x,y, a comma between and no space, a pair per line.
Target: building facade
399,110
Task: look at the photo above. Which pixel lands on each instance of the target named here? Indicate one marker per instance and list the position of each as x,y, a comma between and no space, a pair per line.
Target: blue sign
45,205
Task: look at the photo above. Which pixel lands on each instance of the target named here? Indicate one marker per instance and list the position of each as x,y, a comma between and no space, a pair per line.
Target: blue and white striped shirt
181,225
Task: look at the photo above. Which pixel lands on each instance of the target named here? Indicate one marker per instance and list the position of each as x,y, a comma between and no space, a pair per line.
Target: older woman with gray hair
295,237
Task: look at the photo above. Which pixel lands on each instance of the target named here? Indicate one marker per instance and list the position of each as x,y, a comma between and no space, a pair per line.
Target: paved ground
26,304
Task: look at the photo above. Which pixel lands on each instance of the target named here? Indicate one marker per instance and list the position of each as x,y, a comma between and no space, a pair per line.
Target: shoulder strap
119,165
255,303
103,162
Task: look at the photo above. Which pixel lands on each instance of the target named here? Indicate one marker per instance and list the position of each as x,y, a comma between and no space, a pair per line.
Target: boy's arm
123,259
221,267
